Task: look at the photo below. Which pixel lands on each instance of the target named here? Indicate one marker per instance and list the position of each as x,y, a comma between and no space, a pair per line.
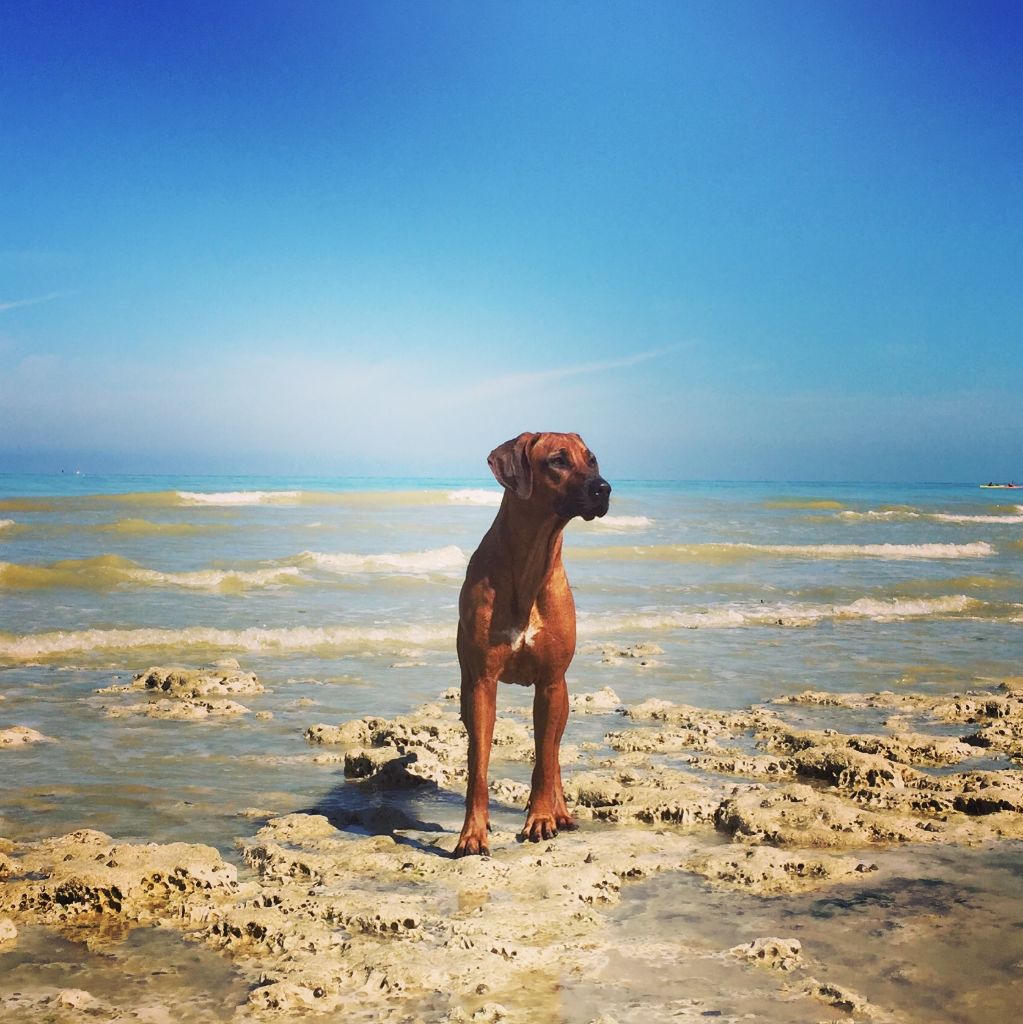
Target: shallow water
932,935
341,596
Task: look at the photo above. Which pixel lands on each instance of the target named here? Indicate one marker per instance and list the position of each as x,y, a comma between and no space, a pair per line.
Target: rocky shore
374,920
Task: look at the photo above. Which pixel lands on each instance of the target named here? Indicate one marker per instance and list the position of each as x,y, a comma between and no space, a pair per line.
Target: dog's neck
532,537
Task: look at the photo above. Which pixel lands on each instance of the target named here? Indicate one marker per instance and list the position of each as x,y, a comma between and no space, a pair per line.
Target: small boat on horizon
1009,487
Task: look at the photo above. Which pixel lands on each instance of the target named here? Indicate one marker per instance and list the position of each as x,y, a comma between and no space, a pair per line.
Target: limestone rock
656,796
778,954
19,735
766,871
510,792
797,815
763,767
221,681
642,654
76,999
661,741
837,996
184,709
428,745
988,792
186,694
602,701
87,873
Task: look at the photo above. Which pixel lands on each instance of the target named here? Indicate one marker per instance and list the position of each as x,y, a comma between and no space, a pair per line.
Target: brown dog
516,618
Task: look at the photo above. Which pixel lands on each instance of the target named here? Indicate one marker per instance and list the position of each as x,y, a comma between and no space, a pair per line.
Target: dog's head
554,471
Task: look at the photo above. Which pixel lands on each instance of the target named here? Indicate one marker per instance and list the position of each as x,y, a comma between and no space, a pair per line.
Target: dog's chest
527,635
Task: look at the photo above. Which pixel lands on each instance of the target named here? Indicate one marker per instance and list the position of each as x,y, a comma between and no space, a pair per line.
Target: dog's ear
510,464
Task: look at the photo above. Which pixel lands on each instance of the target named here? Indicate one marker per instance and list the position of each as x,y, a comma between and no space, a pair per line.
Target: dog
516,619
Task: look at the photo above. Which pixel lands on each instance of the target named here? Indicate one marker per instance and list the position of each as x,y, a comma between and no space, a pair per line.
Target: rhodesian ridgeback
516,619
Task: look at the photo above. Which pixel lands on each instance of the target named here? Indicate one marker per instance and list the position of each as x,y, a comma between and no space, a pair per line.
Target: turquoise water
341,596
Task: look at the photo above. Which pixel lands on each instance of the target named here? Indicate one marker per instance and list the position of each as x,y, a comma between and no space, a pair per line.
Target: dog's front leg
547,811
479,709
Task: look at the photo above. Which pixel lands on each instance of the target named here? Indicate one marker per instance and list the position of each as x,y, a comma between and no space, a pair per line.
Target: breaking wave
235,498
475,496
906,515
104,572
616,524
205,640
108,571
882,515
948,517
437,560
722,553
332,640
875,609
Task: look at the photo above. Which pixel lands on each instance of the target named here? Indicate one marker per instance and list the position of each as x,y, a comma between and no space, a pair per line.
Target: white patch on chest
519,638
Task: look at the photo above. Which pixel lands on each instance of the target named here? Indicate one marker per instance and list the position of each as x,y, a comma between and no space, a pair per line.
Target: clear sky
759,240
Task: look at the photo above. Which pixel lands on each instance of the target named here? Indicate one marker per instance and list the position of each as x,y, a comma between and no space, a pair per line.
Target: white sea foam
449,559
355,639
733,616
211,579
896,552
949,517
884,515
4,523
239,497
622,523
104,572
725,553
903,515
475,496
255,640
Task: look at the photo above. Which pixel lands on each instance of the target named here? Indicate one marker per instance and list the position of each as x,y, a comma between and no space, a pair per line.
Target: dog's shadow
377,807
374,808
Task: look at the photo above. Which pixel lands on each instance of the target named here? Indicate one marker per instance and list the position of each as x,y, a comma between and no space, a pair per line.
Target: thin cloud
516,381
18,303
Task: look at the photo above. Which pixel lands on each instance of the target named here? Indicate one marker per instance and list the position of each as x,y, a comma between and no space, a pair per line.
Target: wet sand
824,856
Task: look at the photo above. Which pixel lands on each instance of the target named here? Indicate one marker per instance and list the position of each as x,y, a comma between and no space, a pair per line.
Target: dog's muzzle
596,499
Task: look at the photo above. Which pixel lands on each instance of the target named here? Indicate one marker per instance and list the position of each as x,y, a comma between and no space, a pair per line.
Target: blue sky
722,241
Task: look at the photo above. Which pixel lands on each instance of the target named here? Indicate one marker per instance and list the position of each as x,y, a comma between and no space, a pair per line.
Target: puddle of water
151,975
933,935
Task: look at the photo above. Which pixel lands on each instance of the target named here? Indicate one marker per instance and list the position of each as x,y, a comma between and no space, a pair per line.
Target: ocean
341,596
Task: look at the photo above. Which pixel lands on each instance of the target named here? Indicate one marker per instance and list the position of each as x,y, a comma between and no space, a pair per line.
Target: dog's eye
559,461
591,459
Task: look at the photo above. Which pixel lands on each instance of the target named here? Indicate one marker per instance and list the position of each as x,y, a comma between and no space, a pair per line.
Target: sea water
342,596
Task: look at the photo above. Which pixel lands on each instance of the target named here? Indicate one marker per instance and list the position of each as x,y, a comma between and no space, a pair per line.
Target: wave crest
204,639
234,498
731,617
718,553
475,496
108,571
332,640
436,560
615,524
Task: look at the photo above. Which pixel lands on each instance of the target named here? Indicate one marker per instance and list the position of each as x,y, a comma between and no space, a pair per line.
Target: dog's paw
540,825
472,842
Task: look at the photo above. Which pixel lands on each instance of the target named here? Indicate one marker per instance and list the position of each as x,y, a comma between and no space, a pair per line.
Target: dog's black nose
598,488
